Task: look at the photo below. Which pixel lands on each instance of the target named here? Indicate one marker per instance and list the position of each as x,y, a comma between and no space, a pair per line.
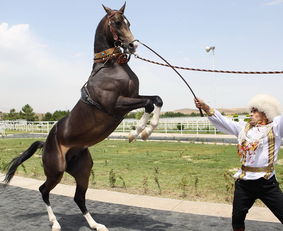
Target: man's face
257,117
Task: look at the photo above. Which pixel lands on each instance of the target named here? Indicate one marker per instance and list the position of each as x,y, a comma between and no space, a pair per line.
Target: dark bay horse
111,91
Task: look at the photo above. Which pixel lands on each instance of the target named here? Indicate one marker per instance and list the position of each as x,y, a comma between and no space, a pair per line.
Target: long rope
201,113
208,70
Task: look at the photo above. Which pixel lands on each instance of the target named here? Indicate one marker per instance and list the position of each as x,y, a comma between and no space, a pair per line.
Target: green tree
139,114
135,115
194,114
12,115
236,117
57,115
173,114
27,113
47,117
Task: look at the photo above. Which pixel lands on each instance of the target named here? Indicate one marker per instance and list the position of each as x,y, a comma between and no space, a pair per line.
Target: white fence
2,130
26,126
183,125
193,125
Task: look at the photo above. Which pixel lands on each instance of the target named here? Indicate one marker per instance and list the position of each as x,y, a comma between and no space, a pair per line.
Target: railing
182,125
174,125
26,126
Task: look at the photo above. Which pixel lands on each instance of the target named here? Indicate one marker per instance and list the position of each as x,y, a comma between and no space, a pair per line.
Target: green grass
169,169
7,131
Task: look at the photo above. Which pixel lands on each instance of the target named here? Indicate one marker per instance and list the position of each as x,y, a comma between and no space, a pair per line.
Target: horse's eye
118,23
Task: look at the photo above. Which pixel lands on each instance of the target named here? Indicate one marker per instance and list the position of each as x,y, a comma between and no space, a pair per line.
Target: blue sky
46,49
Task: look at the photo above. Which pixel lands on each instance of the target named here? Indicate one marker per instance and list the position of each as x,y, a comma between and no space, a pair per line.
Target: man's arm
278,125
219,121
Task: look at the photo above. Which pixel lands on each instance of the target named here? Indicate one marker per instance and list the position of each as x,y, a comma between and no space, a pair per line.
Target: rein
191,90
209,70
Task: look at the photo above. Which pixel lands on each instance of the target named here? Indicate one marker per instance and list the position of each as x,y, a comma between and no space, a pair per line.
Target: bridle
111,28
117,41
115,52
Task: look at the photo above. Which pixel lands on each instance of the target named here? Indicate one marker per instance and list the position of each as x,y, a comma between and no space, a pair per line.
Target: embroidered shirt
260,147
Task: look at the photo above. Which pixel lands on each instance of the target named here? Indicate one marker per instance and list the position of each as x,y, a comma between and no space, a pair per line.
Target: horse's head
118,28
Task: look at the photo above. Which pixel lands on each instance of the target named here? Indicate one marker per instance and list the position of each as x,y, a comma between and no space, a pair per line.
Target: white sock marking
140,126
153,124
155,119
92,223
52,218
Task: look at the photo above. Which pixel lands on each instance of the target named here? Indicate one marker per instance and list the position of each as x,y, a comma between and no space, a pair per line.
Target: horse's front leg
129,104
148,103
155,118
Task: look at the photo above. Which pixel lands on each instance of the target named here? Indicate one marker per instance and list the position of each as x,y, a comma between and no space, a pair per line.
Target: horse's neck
101,44
102,38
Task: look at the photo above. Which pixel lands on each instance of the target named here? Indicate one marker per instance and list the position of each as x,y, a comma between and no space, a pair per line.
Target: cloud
273,2
31,73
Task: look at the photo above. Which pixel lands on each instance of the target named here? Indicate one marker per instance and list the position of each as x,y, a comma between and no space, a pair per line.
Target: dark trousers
247,191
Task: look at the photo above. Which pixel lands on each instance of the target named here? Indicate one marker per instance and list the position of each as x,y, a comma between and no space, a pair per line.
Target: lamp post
211,49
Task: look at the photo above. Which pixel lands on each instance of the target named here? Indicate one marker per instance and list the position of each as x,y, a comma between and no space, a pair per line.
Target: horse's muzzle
132,46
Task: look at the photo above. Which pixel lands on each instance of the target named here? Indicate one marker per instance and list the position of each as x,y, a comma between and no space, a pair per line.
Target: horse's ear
107,9
122,10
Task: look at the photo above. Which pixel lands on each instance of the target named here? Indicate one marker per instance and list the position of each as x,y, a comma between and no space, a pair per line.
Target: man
259,144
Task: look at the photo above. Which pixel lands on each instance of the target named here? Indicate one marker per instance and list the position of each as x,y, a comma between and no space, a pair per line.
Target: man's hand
202,105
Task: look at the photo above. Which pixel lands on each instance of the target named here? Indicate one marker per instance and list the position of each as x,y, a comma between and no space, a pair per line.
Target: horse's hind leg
54,164
45,189
79,164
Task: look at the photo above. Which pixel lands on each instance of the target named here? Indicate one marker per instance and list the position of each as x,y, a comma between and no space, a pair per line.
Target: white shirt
267,151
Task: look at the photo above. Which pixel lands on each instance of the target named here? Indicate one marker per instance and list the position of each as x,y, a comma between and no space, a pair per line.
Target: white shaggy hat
267,104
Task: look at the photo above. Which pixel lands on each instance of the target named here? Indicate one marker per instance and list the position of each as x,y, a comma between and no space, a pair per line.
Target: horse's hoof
144,135
56,227
131,137
101,228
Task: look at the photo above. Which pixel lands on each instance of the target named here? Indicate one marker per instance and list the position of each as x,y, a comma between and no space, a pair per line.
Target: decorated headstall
114,52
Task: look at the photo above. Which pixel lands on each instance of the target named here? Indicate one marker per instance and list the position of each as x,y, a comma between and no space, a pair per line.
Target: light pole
211,49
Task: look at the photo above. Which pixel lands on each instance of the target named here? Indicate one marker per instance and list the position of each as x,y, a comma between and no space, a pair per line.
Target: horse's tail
17,161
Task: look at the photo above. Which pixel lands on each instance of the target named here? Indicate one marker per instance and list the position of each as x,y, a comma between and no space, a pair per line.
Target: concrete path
137,212
183,206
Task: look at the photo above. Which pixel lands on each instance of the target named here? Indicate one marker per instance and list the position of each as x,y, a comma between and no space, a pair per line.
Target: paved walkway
183,206
159,213
23,209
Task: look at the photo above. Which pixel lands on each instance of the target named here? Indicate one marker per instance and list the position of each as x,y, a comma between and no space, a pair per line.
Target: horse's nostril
131,45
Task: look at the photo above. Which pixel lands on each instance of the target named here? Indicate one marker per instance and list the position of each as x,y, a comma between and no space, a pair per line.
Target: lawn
168,169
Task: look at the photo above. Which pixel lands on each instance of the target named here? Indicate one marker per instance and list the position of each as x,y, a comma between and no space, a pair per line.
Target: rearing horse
111,91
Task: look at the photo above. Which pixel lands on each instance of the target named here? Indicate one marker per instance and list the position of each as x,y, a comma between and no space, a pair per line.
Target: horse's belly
86,136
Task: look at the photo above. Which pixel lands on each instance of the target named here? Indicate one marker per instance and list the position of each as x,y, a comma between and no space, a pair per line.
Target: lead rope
200,111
